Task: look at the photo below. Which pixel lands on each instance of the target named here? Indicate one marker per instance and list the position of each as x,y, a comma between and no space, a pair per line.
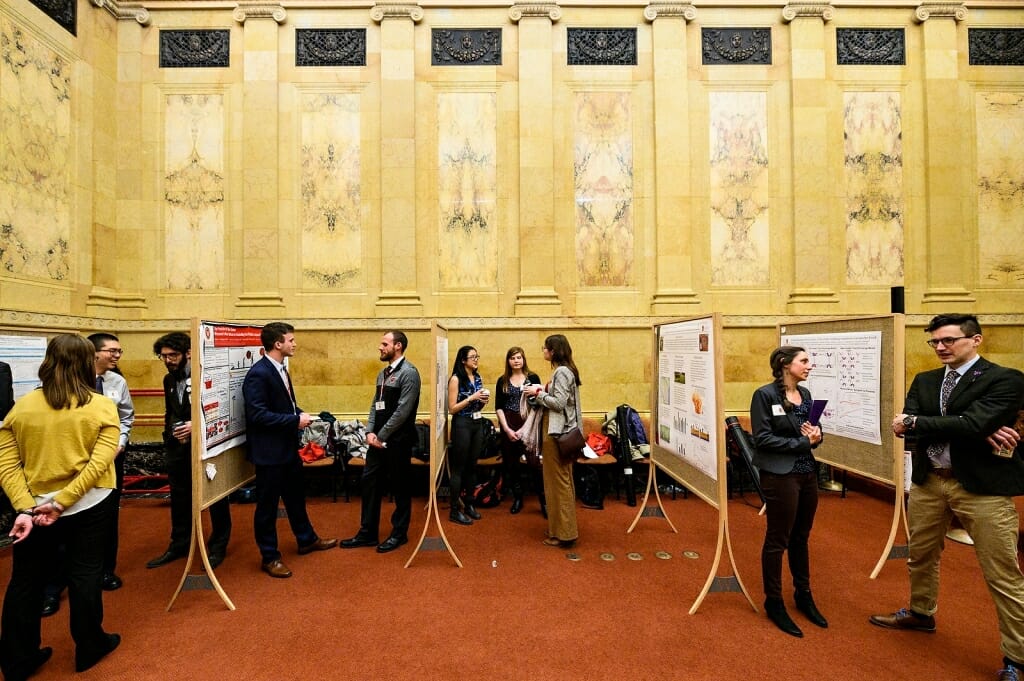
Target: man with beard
175,351
391,433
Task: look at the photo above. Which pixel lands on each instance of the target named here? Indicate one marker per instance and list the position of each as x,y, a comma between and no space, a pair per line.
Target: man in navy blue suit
273,422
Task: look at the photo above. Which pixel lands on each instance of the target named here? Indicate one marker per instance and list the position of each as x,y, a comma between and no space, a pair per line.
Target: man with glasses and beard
175,351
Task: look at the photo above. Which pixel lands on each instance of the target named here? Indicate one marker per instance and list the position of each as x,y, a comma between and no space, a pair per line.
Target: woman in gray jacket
561,399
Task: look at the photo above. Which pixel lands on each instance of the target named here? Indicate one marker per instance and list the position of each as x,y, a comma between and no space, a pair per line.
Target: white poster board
228,351
24,354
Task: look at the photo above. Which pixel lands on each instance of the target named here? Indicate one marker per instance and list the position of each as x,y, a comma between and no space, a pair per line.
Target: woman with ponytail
789,477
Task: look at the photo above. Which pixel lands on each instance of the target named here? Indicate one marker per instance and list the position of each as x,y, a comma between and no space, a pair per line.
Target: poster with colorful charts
228,351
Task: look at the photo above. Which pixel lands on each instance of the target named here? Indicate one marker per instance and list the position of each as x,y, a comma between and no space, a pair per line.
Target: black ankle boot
517,504
471,511
457,516
776,611
805,604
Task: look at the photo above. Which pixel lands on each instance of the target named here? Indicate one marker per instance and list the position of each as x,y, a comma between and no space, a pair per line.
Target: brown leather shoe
905,619
276,568
318,545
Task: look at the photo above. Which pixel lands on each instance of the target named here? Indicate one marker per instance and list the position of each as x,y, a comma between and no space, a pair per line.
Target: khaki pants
993,525
559,491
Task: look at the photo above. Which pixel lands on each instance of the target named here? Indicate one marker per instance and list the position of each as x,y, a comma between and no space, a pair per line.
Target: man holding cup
175,351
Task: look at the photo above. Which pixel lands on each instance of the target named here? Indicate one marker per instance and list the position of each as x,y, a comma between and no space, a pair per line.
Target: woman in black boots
466,398
789,477
507,396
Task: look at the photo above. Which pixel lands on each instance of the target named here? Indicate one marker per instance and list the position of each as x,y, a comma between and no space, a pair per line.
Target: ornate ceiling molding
945,10
389,10
258,10
816,10
656,10
124,11
535,9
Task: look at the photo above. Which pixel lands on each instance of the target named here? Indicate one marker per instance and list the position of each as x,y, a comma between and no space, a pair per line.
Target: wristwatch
909,421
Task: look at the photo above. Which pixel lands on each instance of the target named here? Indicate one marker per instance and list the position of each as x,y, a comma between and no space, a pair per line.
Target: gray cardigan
563,402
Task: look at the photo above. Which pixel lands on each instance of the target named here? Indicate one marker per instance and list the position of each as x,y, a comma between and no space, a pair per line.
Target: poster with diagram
846,371
227,353
686,423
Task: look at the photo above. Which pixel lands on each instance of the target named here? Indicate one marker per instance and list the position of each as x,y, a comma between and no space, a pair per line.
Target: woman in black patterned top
507,394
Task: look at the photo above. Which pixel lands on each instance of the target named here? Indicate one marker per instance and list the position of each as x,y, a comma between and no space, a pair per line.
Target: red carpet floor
521,610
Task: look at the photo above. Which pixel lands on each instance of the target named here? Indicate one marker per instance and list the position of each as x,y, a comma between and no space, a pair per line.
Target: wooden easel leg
657,511
433,543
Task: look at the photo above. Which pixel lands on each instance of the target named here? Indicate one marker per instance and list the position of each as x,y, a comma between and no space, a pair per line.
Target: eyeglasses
169,356
945,342
472,357
116,352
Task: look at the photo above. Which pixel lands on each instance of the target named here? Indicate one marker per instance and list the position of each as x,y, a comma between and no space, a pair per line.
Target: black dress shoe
111,582
356,541
805,604
517,505
51,604
471,511
392,543
776,611
215,559
88,662
43,656
168,556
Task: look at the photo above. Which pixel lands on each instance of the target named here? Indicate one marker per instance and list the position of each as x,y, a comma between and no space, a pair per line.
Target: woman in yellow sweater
57,448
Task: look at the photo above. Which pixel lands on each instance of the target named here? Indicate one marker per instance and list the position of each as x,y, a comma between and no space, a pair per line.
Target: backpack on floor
488,494
421,450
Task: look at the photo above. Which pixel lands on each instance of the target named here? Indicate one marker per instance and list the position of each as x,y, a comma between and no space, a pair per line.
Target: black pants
792,500
468,436
110,558
179,477
84,536
281,482
386,468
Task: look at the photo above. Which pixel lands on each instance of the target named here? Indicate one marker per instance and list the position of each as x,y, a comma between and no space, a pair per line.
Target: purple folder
817,409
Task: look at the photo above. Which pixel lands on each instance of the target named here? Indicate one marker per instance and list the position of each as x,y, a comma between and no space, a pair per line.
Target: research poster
846,371
686,393
441,389
24,354
228,352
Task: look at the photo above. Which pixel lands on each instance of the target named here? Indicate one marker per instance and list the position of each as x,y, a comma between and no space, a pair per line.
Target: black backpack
488,494
421,450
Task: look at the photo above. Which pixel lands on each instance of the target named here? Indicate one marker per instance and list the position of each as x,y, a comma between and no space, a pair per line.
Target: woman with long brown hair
57,448
507,397
784,437
562,401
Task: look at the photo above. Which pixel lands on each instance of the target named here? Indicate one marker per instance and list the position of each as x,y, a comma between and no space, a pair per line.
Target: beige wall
205,192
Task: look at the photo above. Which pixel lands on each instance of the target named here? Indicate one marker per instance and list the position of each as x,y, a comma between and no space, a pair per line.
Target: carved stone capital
658,9
393,10
940,10
535,9
124,11
258,10
820,10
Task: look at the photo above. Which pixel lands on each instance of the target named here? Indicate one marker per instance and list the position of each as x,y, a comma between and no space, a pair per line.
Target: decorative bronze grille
330,47
466,46
602,47
871,46
736,45
195,48
64,12
996,46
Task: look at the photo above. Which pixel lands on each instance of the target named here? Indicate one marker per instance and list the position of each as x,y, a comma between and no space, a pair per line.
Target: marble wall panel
36,198
193,191
1000,187
603,184
873,175
467,189
739,188
331,191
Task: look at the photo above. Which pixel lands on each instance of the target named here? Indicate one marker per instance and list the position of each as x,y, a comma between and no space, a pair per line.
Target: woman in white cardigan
561,399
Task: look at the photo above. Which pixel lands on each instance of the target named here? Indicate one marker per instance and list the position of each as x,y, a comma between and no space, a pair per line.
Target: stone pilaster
813,279
673,198
537,295
399,294
949,264
258,249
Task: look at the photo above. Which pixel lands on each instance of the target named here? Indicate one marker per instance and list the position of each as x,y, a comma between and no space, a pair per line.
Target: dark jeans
468,436
110,557
276,483
84,536
792,500
179,477
391,466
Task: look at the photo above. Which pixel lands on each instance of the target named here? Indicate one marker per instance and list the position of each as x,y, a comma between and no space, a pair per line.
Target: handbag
570,445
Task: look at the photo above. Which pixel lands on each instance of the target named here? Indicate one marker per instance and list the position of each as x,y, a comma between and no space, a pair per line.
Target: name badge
379,405
777,410
475,415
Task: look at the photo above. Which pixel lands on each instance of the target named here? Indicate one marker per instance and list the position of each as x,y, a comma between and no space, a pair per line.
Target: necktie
99,384
936,450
